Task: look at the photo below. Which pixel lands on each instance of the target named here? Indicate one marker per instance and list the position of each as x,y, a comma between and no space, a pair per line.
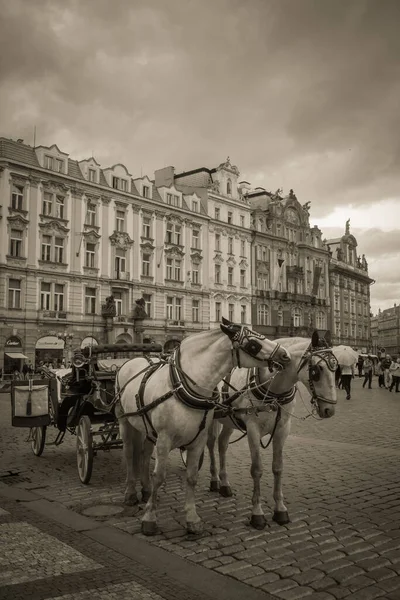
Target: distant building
385,330
350,293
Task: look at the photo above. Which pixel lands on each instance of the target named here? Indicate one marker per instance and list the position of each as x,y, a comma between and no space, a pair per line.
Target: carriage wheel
38,437
184,458
84,449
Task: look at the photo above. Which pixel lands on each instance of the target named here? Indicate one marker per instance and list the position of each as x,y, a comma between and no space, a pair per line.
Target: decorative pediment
17,221
121,239
262,267
147,246
174,251
53,227
227,166
218,258
55,187
243,264
91,236
18,179
231,262
171,218
196,258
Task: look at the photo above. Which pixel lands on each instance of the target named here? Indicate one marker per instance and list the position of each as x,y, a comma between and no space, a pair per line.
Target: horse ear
315,339
227,330
225,321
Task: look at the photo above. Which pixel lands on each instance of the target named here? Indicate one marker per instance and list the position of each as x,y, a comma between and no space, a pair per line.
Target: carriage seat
110,365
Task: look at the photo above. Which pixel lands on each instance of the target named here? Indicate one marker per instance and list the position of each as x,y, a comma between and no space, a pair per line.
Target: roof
74,169
19,152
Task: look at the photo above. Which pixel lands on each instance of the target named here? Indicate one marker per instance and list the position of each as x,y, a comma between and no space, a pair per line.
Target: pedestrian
386,362
347,376
395,374
25,370
360,363
338,374
17,375
367,368
379,373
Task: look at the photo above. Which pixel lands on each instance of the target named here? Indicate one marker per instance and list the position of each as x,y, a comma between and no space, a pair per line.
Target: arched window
229,187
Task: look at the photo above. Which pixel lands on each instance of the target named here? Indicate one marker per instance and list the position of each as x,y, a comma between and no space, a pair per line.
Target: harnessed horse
172,403
263,403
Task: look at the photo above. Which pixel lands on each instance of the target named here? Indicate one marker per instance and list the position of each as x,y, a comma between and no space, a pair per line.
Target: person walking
347,376
386,362
367,368
379,373
395,373
360,364
25,370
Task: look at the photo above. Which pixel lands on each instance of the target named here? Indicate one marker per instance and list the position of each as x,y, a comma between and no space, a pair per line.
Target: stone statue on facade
139,311
348,227
306,207
292,195
109,309
364,262
339,254
359,263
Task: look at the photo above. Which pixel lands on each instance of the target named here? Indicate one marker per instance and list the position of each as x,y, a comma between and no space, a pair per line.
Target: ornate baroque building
350,293
72,234
290,265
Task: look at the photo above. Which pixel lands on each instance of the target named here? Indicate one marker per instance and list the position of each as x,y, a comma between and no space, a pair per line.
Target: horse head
250,348
317,371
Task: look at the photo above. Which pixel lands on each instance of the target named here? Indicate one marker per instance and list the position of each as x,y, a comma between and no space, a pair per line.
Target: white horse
263,405
172,405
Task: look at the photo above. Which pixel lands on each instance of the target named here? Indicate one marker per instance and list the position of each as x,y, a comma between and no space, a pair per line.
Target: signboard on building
13,342
49,342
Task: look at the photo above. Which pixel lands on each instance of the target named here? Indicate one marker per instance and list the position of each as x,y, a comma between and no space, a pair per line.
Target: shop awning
16,355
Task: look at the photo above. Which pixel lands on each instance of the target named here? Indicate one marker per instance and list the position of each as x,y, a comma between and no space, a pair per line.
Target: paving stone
263,579
389,585
279,586
308,576
370,564
343,574
367,593
295,593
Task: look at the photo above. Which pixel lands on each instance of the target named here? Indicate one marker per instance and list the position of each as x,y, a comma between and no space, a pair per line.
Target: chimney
244,187
164,176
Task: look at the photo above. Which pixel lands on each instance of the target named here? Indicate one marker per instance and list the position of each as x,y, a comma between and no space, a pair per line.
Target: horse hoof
214,486
131,499
225,491
258,521
145,496
150,528
194,528
281,517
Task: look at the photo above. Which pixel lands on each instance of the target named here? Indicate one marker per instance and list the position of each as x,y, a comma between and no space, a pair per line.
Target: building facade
385,331
290,266
72,235
350,293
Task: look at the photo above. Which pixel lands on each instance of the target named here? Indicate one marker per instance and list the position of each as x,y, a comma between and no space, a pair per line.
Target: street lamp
67,337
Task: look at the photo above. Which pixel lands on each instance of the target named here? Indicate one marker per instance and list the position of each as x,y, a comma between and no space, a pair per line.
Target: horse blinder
252,347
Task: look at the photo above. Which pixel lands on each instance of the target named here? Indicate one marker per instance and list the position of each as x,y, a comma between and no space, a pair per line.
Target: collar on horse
182,390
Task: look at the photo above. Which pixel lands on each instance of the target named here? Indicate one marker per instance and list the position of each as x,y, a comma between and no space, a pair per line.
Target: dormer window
146,191
59,165
229,187
119,184
48,162
173,200
92,175
195,206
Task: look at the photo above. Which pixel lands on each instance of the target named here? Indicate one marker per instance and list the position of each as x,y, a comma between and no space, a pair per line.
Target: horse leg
163,448
131,453
145,479
212,436
280,515
257,520
193,521
223,443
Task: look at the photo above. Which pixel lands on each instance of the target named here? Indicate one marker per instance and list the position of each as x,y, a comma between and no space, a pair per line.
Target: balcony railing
53,314
173,323
122,275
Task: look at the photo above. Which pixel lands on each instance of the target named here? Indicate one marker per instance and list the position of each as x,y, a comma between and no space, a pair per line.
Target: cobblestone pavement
341,486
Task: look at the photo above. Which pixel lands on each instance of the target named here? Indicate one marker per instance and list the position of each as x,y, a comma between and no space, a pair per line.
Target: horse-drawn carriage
79,400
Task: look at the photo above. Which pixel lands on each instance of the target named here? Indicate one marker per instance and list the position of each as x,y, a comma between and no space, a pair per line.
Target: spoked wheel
184,458
38,440
84,449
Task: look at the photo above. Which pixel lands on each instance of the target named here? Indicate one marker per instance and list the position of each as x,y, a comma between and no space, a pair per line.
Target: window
217,214
146,265
241,221
14,293
217,274
174,308
229,187
116,183
242,278
195,206
231,312
353,330
336,302
120,220
195,311
243,248
230,245
243,313
196,239
16,243
147,304
230,218
59,250
230,275
59,207
90,301
320,320
346,304
352,305
90,255
262,317
123,185
92,175
120,261
17,197
58,297
173,234
359,308
218,311
59,165
45,296
47,204
91,214
218,242
173,200
195,274
146,191
118,302
296,318
146,227
46,247
174,269
48,162
177,271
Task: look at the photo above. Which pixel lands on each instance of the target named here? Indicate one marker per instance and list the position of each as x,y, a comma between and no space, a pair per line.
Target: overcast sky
301,94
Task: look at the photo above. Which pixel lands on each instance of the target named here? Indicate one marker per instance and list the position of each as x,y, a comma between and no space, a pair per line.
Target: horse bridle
325,355
248,341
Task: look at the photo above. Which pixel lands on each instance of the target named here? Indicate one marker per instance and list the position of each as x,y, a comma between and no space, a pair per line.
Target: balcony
121,275
177,324
52,314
